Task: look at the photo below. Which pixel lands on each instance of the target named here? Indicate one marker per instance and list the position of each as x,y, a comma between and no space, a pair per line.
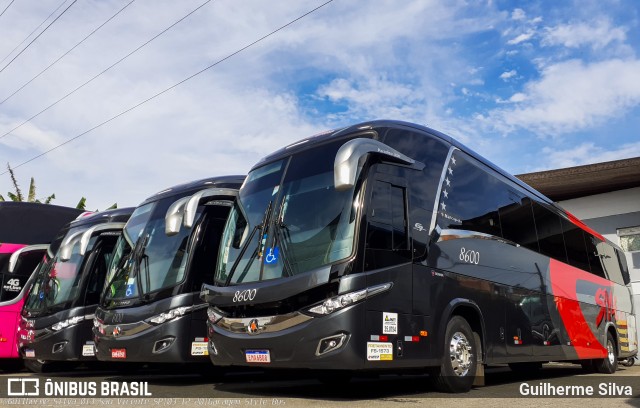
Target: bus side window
12,283
574,240
516,220
611,261
549,229
624,269
387,237
470,197
596,258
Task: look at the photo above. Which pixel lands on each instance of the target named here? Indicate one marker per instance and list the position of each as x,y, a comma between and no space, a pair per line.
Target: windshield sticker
272,256
379,351
130,290
389,323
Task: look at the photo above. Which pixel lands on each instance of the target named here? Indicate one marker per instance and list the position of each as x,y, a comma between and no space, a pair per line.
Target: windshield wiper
282,236
261,241
138,257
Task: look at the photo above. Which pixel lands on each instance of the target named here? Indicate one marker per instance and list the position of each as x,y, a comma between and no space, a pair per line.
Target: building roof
590,179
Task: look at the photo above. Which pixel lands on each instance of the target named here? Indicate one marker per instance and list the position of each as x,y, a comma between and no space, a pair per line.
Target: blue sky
531,85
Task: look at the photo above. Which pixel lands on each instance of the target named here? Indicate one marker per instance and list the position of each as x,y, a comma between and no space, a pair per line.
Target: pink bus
26,229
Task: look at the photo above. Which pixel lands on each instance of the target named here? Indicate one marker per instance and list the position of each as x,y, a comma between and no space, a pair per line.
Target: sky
530,85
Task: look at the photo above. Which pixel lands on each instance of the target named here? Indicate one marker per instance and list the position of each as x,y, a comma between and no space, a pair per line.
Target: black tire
528,367
37,366
587,365
609,364
41,366
459,361
629,362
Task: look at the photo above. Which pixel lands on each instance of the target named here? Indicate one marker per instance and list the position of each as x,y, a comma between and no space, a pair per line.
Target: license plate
30,353
258,356
87,350
199,348
119,353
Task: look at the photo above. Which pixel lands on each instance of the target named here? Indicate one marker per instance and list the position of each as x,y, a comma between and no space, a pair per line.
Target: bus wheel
458,368
607,365
37,366
527,367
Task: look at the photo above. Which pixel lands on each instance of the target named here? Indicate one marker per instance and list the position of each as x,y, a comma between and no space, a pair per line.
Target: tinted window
574,240
516,220
597,256
549,229
470,197
387,242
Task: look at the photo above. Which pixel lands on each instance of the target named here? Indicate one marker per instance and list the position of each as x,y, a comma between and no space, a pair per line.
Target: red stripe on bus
564,281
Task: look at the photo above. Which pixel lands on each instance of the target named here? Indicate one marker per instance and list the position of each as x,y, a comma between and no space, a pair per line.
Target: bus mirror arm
13,260
191,208
86,236
347,162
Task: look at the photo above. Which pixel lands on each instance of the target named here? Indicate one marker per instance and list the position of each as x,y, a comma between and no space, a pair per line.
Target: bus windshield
288,219
146,259
57,280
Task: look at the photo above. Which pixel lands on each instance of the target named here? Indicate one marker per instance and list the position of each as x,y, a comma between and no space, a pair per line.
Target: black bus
57,315
150,311
26,229
390,246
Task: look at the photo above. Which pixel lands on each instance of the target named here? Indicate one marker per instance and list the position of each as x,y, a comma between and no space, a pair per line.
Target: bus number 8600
469,256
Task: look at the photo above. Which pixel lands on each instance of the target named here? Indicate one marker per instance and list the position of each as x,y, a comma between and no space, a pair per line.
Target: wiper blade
261,241
281,235
138,256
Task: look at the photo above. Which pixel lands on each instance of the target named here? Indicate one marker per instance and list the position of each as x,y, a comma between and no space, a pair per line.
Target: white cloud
518,14
586,153
597,34
572,96
508,75
521,38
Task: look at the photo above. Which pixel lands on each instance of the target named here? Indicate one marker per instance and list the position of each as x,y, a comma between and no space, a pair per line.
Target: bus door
388,258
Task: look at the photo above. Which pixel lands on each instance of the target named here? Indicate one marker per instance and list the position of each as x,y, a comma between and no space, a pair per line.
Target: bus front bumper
169,342
332,342
72,343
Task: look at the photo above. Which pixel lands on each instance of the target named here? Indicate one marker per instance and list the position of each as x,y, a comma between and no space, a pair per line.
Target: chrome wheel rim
460,354
610,354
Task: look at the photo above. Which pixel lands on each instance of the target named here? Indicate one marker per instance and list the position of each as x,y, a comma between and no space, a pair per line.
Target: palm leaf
48,199
18,194
82,204
32,191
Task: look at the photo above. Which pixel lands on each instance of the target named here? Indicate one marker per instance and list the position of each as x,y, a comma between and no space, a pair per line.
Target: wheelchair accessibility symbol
272,256
129,291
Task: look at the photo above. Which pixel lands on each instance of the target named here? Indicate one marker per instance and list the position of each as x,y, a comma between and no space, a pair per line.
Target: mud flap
478,381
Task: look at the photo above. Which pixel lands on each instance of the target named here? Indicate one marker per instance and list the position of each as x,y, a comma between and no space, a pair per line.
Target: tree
31,197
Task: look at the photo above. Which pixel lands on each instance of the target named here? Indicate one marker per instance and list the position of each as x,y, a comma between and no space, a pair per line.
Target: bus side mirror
64,253
86,237
346,164
173,218
22,252
228,195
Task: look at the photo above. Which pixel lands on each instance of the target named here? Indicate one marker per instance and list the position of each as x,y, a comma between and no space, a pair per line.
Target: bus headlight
341,301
